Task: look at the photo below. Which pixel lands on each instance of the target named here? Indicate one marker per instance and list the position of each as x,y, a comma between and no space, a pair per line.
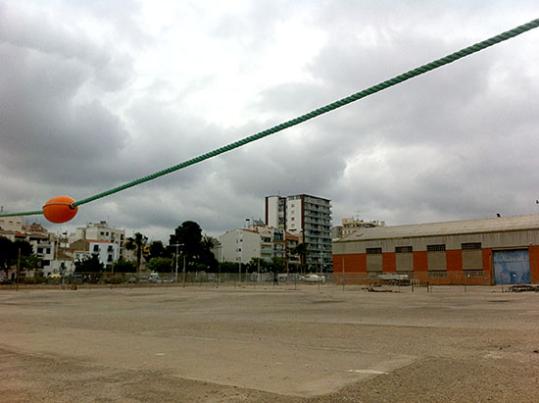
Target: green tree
24,246
228,267
277,265
301,251
91,267
194,246
124,266
89,264
161,264
6,253
30,262
157,249
9,254
260,265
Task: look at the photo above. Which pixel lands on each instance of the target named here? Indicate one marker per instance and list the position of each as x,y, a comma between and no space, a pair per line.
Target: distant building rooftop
498,224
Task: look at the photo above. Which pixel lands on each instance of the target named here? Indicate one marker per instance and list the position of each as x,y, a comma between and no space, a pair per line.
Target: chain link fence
370,280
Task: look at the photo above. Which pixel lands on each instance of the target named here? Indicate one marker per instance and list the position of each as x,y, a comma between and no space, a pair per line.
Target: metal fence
424,278
254,279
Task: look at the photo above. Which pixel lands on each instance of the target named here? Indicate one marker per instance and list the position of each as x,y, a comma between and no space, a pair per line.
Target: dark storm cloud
52,131
459,142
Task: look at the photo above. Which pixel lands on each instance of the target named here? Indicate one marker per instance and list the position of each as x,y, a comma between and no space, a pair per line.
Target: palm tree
301,251
137,243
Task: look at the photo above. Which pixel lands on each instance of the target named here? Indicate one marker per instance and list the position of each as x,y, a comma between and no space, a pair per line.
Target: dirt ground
269,344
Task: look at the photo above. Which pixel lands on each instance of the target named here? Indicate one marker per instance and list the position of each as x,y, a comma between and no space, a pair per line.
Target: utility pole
183,270
239,271
18,267
286,257
177,245
176,264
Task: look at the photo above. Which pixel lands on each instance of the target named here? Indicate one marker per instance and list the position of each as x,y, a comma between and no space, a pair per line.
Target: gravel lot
269,344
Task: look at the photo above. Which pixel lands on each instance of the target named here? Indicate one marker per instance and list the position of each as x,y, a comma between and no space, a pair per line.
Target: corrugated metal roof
497,224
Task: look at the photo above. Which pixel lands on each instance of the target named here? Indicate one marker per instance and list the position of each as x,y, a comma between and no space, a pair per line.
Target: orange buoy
60,209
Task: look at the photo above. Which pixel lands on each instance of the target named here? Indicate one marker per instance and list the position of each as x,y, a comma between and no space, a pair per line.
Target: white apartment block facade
257,241
239,245
43,243
309,218
11,224
107,252
100,231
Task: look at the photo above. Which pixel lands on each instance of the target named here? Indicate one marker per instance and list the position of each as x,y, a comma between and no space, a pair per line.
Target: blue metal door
511,267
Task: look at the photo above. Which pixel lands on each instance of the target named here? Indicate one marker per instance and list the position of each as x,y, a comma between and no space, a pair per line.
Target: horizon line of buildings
501,250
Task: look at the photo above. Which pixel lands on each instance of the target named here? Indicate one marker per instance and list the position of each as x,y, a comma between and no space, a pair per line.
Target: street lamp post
177,245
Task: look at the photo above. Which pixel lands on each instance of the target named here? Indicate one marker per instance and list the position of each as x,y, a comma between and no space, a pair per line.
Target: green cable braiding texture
23,213
330,107
317,112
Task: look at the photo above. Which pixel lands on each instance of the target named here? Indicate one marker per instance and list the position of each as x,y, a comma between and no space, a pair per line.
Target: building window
471,245
96,248
472,256
404,258
436,257
373,251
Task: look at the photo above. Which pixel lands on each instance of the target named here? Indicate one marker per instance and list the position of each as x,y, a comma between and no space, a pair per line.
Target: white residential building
101,232
107,252
14,224
257,241
240,245
43,243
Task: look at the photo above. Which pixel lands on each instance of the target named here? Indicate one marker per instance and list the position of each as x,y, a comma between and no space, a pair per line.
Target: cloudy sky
94,94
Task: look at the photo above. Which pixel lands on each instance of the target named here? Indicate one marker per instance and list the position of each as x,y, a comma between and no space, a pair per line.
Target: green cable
317,112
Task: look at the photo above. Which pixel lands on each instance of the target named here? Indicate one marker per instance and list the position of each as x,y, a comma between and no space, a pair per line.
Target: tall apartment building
309,218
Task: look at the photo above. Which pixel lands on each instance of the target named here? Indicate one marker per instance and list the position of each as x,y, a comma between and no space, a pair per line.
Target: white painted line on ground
367,371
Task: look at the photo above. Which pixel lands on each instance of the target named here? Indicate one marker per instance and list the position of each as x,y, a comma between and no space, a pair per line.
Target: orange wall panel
353,263
453,259
421,262
389,262
337,259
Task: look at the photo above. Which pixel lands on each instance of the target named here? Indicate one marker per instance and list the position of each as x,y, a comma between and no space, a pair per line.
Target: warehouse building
502,250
